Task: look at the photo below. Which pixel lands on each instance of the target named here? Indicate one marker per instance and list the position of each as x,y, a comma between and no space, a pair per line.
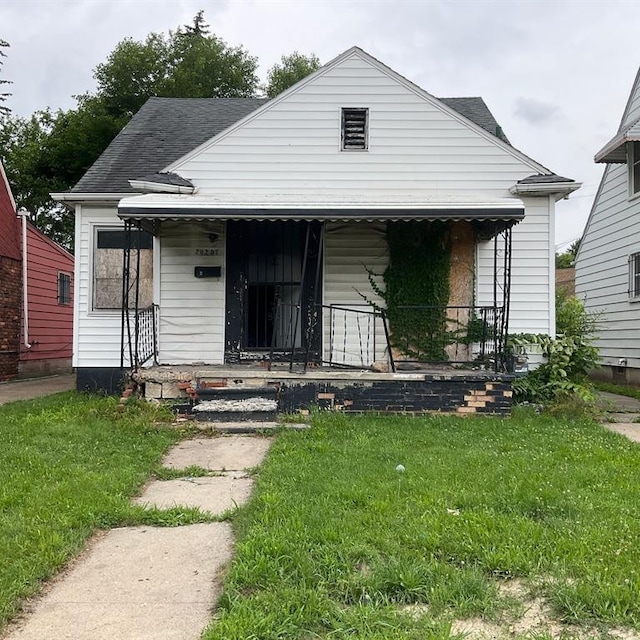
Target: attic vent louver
354,129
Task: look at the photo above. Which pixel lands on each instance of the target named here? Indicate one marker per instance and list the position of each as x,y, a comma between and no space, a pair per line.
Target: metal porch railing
361,336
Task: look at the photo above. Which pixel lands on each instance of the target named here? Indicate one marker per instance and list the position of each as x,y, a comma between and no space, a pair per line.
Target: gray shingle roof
162,131
165,129
477,111
542,178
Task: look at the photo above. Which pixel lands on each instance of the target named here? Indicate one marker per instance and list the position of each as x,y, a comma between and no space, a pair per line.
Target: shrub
568,357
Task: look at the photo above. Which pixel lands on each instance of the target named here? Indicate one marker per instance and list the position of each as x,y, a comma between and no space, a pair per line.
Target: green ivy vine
417,275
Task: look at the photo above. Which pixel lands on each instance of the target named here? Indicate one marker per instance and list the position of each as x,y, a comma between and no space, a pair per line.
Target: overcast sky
555,73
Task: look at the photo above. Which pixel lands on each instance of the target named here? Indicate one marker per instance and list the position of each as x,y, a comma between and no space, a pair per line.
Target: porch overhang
170,207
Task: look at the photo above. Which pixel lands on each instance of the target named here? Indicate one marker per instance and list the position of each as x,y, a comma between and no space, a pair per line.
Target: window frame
96,230
633,161
64,288
634,277
343,137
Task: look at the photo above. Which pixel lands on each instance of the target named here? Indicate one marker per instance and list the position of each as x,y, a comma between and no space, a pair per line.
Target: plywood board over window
108,264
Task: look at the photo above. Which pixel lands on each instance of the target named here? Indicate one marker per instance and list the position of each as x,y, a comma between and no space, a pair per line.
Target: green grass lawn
68,466
337,542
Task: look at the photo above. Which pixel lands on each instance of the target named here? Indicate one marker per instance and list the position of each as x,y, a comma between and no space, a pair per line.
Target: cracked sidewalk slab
225,453
212,494
135,583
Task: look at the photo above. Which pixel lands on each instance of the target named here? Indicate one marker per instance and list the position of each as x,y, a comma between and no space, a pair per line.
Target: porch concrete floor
169,373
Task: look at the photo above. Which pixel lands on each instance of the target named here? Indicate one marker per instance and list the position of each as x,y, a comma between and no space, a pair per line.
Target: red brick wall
10,316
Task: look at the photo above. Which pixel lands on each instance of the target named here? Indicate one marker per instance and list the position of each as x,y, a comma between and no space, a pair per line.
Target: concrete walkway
35,387
151,583
622,414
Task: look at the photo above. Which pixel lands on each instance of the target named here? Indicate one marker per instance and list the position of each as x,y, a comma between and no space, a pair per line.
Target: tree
186,64
3,96
567,258
291,69
50,151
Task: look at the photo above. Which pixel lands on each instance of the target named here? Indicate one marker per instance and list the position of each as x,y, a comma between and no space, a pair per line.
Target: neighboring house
36,297
10,282
262,220
608,261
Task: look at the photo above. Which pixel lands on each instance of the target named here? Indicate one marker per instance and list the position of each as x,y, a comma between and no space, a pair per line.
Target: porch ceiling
273,207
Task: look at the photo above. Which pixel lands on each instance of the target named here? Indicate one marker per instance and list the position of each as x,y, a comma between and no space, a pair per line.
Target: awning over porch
265,206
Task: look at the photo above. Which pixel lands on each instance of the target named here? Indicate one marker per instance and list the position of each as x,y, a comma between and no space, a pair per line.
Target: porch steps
236,404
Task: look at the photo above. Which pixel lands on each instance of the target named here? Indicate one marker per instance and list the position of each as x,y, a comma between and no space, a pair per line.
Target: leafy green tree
291,69
3,95
567,258
186,63
50,151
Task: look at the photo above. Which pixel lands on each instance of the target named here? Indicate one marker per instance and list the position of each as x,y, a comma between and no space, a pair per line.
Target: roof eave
147,186
70,199
559,189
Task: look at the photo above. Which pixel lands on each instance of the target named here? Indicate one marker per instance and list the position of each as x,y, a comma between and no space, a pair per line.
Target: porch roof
318,207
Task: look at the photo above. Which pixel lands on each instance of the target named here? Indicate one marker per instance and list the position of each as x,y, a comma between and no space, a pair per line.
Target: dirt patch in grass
525,616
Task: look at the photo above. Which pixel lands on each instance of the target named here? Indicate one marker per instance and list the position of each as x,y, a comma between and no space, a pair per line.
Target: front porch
441,389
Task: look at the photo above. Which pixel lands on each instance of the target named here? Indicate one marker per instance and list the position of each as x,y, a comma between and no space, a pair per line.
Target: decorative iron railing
362,337
458,335
140,343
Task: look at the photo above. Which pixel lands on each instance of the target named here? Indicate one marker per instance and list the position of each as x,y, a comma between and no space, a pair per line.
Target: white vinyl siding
191,309
602,270
414,146
96,333
531,275
351,249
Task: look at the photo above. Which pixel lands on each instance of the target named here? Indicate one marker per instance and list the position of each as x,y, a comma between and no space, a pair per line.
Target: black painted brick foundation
463,395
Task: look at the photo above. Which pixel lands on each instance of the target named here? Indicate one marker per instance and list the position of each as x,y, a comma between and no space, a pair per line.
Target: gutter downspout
23,213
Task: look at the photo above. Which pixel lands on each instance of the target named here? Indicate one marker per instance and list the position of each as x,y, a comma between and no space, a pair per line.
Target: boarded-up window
108,256
355,124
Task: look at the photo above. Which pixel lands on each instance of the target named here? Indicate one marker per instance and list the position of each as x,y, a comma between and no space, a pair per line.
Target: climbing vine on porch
417,276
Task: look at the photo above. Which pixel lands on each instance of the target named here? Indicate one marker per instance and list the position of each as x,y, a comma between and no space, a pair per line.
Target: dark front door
273,281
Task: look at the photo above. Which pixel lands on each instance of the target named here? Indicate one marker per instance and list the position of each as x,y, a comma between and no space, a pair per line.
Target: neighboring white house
229,191
608,261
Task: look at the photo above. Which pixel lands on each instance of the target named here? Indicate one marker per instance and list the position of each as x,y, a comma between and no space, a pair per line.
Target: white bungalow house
608,261
260,230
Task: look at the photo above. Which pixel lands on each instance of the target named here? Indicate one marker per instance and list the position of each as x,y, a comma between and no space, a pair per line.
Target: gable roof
615,151
9,225
163,130
168,131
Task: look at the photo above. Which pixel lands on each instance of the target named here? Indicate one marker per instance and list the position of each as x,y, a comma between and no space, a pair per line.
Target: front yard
370,527
68,466
489,521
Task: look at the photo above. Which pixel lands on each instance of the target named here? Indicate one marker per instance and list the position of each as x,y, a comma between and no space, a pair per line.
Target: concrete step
253,409
236,392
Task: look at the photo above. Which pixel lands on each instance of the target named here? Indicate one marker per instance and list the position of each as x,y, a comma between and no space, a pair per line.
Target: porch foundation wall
460,396
414,393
